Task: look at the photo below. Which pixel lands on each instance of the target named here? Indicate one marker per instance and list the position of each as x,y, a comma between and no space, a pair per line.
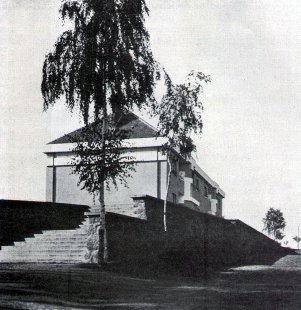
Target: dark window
197,184
174,166
206,191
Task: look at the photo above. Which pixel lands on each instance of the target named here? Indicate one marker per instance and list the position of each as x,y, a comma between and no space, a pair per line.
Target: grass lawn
30,286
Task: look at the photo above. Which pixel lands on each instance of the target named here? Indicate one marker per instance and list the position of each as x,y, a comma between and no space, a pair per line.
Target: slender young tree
103,65
180,115
274,223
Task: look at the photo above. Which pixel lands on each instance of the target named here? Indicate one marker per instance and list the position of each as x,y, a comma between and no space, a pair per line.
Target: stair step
21,250
59,239
50,257
56,244
41,258
50,246
51,232
38,257
35,256
36,248
45,261
64,240
16,244
65,235
75,251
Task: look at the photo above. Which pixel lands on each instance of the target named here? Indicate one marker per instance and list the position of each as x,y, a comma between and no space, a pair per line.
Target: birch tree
102,65
180,115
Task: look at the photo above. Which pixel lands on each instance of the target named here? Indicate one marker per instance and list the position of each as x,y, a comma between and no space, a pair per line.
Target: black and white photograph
150,154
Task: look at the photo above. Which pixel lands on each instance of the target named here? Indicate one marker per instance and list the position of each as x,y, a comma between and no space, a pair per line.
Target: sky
251,141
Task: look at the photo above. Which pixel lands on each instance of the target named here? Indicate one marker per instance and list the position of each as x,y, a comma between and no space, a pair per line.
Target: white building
189,184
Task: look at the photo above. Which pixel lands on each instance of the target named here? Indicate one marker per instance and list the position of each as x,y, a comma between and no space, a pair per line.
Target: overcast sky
252,130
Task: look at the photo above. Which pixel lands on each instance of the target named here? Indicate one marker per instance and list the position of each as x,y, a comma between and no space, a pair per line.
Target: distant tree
180,114
103,65
297,239
274,223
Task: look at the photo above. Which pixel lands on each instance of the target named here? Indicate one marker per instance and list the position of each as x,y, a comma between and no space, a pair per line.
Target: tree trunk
102,232
167,190
101,251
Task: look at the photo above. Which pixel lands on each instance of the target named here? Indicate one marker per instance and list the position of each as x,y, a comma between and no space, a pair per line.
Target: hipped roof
130,122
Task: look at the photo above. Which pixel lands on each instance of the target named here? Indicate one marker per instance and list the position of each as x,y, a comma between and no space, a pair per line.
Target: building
189,184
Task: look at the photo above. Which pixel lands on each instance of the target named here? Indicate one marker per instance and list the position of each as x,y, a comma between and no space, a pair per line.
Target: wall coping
29,203
124,216
144,196
174,205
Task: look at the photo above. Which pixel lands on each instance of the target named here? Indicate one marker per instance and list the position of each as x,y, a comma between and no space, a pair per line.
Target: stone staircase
51,246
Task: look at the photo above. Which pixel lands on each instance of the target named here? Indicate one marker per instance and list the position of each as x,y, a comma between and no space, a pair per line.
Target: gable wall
148,178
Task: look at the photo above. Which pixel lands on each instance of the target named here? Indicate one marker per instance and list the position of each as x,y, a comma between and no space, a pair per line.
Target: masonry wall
193,241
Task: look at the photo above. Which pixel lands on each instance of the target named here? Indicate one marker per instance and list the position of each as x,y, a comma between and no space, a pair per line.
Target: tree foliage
96,164
180,112
274,223
104,60
102,65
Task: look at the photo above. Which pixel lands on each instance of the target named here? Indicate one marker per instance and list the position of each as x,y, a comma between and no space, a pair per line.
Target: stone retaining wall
193,241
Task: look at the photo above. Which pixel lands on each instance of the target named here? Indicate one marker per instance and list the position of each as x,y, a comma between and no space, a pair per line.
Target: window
197,184
174,198
193,180
206,191
174,166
